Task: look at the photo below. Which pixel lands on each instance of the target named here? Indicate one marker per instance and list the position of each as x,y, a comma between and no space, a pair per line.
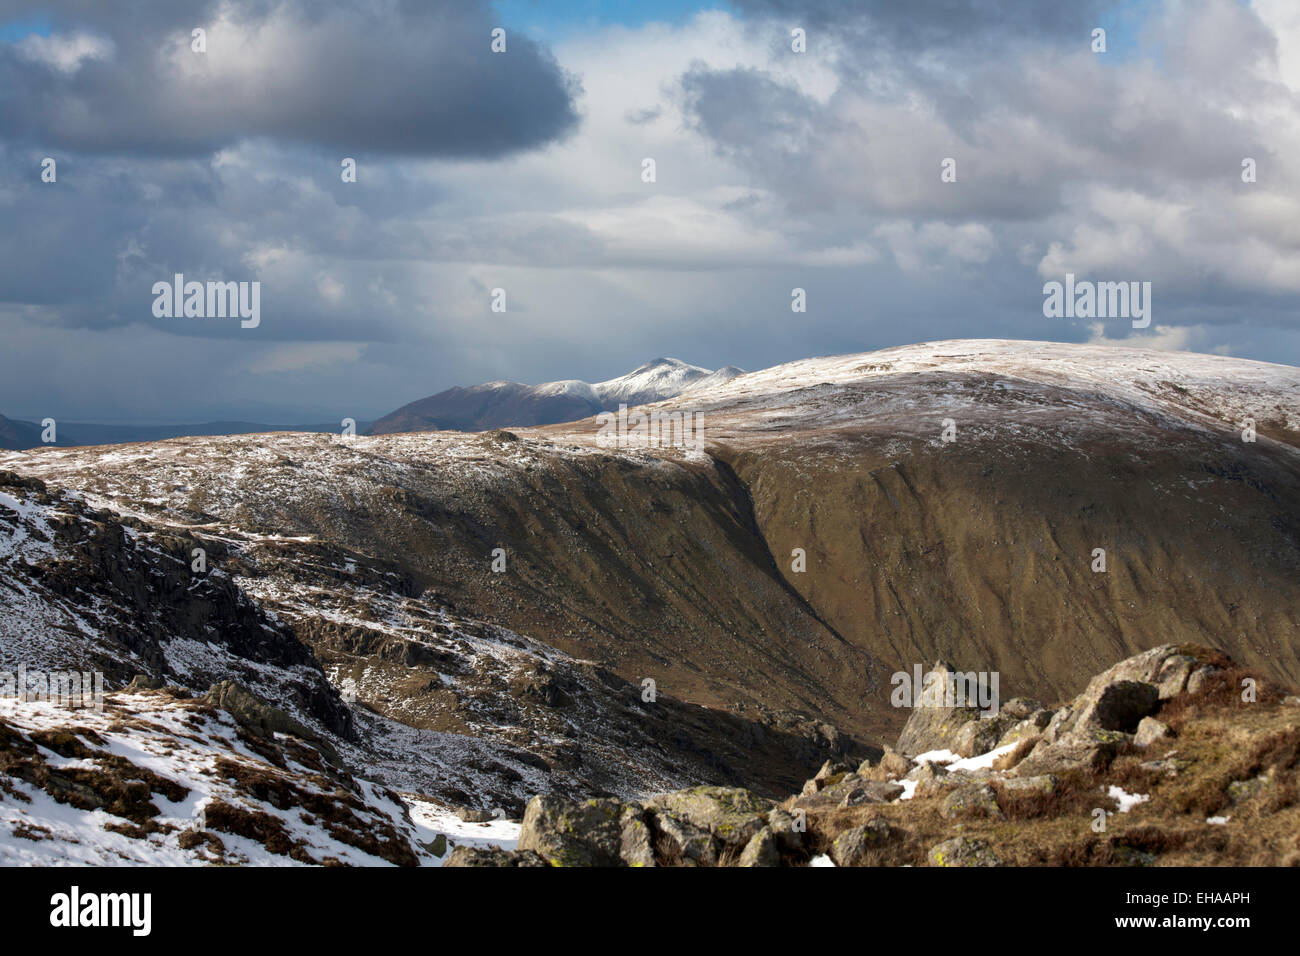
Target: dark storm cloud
913,25
363,78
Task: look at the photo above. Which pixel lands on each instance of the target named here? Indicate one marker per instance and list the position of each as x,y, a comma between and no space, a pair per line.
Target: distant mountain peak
503,404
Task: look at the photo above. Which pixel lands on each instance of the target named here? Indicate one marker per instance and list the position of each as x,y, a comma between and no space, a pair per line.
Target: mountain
16,435
358,585
510,404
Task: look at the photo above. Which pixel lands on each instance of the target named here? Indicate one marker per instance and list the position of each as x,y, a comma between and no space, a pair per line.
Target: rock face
564,833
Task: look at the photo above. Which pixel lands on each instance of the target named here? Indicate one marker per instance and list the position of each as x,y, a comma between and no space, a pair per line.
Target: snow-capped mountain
350,583
512,404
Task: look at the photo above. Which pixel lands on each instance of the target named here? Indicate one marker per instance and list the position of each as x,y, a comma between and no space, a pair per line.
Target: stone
635,847
963,851
852,847
761,850
933,728
972,801
1197,682
568,833
1043,785
1149,731
782,825
492,856
731,816
472,815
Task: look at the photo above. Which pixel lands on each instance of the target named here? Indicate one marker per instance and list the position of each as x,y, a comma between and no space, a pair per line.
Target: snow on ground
431,820
173,748
1126,801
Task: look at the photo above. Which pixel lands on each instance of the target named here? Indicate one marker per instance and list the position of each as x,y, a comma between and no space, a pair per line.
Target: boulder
1043,785
852,847
1149,731
492,856
634,846
782,825
1196,682
703,815
262,719
568,833
761,850
963,851
872,791
933,728
972,801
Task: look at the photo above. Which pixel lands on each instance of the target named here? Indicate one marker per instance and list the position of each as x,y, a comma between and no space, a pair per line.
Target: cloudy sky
522,171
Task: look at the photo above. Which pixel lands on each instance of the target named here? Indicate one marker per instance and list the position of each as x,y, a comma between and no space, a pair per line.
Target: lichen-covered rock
635,847
567,833
786,828
963,851
761,850
1043,785
492,856
702,820
852,846
976,801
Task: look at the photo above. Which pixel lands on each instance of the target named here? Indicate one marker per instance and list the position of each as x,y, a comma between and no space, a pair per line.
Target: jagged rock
260,718
492,856
566,833
851,847
977,801
1031,726
927,770
761,850
933,728
963,851
473,815
1171,676
1021,708
635,848
699,817
1149,731
782,825
894,764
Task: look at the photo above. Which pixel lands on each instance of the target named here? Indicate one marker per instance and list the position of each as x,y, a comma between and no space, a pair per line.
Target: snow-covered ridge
1133,374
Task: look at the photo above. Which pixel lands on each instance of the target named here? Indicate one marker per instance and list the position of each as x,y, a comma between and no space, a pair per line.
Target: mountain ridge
505,404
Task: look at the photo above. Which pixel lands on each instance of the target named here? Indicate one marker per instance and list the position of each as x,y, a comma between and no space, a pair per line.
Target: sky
522,171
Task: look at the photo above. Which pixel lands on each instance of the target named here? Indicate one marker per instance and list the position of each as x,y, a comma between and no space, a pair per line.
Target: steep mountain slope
622,564
510,404
981,549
